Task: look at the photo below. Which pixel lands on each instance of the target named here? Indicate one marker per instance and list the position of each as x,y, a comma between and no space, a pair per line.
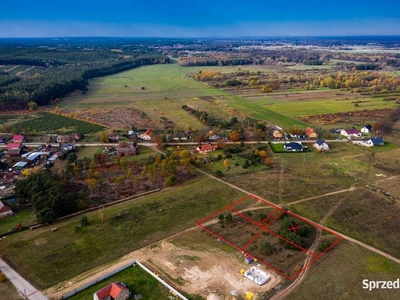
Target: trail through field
284,293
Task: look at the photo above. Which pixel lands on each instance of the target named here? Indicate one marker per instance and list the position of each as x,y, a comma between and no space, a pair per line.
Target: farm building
125,149
202,149
294,146
113,291
113,137
257,275
320,144
5,211
14,149
366,129
350,133
311,134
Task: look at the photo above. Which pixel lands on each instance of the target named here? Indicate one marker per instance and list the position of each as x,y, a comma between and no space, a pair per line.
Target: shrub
323,246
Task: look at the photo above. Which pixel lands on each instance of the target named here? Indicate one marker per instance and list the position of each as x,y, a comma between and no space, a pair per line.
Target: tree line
62,74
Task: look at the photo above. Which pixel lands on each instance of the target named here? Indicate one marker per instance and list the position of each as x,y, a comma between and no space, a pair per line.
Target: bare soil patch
205,272
312,96
352,117
115,117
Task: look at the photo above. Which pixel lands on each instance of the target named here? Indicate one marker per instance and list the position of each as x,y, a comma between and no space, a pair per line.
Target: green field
137,280
292,108
48,122
167,88
23,214
130,225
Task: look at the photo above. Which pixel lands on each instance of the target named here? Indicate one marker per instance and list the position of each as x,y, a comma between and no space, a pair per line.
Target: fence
105,276
98,279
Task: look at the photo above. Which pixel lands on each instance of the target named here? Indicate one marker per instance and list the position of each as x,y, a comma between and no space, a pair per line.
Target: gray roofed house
294,146
377,141
320,144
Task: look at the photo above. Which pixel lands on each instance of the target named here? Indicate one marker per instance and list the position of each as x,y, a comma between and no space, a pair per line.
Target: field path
286,292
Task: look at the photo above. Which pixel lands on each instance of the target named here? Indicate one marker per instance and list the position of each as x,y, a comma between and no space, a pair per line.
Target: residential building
321,145
366,129
294,146
311,134
113,291
205,148
350,133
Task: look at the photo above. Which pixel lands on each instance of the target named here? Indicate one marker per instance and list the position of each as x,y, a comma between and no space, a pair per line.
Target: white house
320,144
376,141
350,133
366,129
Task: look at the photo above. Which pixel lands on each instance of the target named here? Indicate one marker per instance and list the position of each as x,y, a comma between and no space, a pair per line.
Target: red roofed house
5,210
113,291
311,133
14,149
202,149
18,138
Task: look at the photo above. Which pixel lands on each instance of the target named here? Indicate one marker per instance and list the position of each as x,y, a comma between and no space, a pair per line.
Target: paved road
23,286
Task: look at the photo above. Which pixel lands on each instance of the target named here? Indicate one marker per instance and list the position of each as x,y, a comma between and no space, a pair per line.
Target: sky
198,18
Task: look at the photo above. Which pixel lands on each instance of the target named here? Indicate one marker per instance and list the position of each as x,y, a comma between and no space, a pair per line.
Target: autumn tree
234,136
103,137
32,106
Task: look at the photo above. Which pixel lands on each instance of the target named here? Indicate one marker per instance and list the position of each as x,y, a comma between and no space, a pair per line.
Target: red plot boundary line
264,228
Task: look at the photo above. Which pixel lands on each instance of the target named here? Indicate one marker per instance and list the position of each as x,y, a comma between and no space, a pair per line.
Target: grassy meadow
163,89
126,227
339,274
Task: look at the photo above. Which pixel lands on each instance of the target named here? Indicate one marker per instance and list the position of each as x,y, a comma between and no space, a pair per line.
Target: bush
323,246
219,173
84,221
